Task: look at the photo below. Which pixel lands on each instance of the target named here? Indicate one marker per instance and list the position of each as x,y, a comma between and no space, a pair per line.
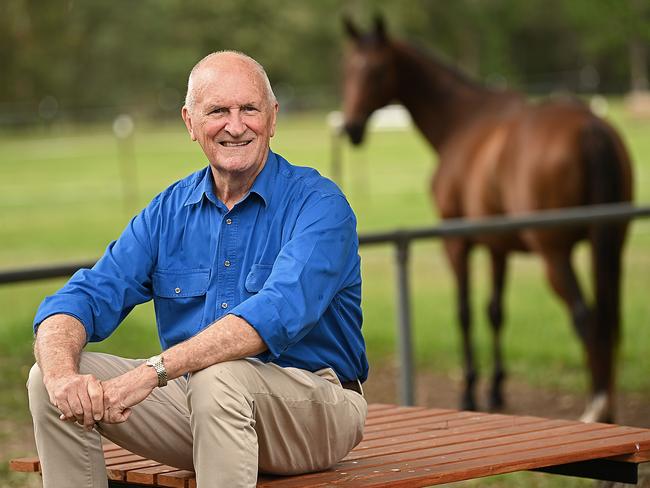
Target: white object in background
391,117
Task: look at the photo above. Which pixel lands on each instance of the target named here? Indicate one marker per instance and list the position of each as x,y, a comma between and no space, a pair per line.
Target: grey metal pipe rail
571,216
574,216
42,272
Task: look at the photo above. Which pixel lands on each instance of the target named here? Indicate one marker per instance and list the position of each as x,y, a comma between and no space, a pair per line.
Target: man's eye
248,108
219,110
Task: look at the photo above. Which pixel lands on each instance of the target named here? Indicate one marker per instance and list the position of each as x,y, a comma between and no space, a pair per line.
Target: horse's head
370,78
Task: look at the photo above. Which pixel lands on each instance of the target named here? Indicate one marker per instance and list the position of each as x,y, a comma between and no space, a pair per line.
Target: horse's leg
562,277
458,254
495,313
563,280
607,244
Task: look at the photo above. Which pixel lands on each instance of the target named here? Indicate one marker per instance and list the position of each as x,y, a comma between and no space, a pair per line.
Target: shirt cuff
67,305
263,316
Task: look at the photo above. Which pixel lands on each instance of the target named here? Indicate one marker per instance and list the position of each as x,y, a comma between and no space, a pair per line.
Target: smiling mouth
234,144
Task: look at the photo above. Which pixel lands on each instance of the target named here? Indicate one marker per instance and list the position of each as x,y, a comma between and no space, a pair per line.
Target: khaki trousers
225,422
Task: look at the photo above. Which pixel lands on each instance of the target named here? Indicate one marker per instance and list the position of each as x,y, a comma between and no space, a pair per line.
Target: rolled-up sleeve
306,275
102,296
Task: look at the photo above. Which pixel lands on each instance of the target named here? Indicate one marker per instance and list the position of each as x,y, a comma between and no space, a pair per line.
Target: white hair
189,96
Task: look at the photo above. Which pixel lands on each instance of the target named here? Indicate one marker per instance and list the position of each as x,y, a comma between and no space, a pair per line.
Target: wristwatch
156,362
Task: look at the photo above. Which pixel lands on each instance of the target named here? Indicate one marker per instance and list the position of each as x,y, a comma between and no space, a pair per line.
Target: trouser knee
39,399
220,391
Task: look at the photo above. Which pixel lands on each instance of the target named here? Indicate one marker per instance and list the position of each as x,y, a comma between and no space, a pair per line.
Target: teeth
234,144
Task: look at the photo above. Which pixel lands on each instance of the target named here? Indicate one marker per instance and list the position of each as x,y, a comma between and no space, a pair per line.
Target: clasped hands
84,399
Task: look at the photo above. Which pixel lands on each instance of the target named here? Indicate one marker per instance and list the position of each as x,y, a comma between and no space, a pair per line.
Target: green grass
61,199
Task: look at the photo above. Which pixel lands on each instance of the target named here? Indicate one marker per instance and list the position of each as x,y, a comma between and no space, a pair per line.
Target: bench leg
599,469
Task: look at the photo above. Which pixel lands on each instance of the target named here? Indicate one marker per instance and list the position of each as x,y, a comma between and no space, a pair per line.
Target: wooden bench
415,447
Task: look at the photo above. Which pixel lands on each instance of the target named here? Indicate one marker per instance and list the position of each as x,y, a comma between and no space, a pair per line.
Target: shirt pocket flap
257,277
179,284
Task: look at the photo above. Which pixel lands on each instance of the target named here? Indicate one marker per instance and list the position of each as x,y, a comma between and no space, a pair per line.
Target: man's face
231,118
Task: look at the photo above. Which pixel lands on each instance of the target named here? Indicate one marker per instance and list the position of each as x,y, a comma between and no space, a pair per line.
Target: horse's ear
350,29
380,28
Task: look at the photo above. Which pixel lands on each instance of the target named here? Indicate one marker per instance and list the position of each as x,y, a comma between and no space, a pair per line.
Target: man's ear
276,107
187,118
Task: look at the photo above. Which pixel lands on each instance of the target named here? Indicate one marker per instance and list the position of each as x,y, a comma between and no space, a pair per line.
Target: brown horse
500,154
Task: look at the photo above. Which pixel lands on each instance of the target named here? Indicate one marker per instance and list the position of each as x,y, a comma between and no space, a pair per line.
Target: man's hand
79,397
58,345
124,391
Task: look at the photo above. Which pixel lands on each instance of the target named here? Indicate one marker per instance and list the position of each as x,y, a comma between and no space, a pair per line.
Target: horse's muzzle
355,131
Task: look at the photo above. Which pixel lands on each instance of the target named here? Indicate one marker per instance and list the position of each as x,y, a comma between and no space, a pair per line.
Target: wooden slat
176,479
442,421
440,426
379,423
148,476
636,457
124,456
437,422
25,465
373,407
474,426
387,412
416,417
109,446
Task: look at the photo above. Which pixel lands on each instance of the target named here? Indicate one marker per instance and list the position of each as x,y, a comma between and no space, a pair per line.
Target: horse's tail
605,184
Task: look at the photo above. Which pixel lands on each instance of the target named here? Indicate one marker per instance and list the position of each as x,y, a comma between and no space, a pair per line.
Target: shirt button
228,221
226,263
177,290
224,305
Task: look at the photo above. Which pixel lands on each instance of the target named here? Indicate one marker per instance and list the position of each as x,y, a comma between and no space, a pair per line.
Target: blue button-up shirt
285,259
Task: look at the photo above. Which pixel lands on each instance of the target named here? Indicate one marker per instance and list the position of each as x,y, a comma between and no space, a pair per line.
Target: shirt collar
204,187
265,181
262,186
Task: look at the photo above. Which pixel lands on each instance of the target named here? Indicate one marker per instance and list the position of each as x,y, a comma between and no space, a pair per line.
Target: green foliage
97,58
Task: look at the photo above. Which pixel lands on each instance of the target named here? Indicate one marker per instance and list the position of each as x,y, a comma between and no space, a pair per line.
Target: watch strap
156,362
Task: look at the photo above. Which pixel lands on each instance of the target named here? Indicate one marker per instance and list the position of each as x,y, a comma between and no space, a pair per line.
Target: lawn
62,199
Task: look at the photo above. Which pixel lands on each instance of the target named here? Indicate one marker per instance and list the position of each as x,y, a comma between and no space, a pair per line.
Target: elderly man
253,267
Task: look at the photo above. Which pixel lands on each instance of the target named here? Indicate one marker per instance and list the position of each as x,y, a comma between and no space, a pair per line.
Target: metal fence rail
42,272
575,216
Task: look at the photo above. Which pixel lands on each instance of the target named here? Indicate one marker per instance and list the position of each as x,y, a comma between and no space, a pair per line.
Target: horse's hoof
495,402
598,409
468,403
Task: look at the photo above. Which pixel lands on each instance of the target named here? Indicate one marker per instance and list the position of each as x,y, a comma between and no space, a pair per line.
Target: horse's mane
428,59
421,53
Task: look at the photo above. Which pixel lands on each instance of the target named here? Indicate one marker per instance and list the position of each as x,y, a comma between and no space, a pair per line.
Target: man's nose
235,125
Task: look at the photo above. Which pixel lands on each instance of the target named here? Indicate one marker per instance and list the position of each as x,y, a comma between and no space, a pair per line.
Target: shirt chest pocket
258,275
179,301
180,284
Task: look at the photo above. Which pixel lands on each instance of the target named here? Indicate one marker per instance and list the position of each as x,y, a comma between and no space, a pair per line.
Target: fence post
407,396
123,129
336,156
